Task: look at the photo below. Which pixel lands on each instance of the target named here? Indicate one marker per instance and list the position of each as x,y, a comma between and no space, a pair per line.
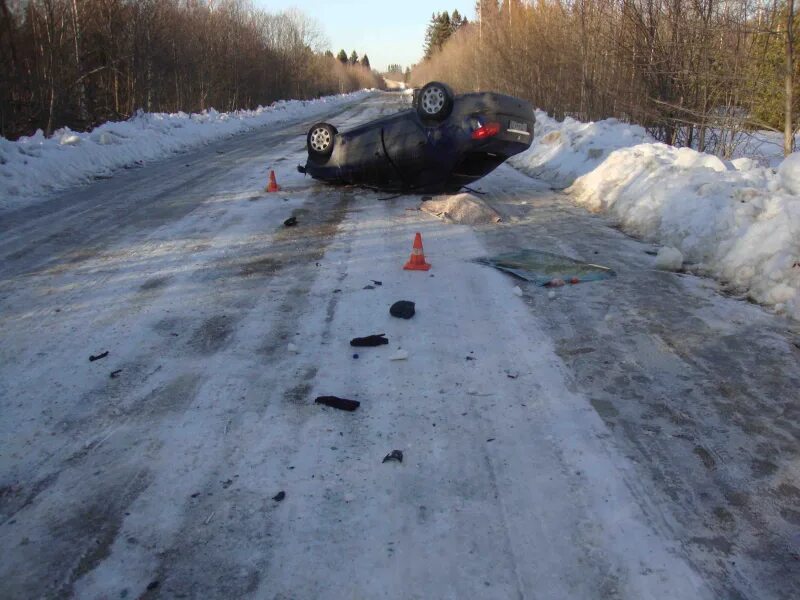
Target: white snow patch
563,151
399,355
669,259
789,171
33,166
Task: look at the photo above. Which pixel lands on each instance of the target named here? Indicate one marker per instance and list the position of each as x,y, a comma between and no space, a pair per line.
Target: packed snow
734,220
31,167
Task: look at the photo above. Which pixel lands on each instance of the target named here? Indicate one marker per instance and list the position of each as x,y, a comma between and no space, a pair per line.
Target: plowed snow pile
464,209
33,166
734,220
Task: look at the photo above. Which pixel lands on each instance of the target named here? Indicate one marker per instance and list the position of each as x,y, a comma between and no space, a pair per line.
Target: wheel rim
433,100
320,139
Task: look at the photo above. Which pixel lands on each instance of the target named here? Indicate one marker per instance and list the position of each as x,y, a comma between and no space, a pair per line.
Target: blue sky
389,32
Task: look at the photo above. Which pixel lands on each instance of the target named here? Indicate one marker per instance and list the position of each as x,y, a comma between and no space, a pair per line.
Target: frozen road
632,438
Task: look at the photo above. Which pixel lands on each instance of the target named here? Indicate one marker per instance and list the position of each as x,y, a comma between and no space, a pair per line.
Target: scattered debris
399,355
211,516
292,348
369,341
355,356
368,287
668,259
402,309
555,283
490,440
340,403
154,584
95,357
394,455
376,282
543,268
517,291
469,358
290,222
349,498
115,374
279,496
512,374
551,295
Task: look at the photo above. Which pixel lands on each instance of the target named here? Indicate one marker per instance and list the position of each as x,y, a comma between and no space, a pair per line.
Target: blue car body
406,152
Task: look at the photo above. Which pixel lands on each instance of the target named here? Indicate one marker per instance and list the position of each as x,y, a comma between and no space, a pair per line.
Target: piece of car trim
517,131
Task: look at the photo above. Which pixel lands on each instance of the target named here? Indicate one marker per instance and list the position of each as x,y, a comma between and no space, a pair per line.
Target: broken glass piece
542,268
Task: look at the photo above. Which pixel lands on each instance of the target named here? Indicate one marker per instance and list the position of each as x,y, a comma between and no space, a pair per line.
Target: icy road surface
632,438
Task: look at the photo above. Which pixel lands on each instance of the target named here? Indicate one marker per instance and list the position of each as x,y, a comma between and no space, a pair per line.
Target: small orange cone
272,186
417,260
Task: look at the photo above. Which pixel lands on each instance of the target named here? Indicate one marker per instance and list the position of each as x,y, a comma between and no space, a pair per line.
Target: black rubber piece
402,309
340,403
369,341
394,455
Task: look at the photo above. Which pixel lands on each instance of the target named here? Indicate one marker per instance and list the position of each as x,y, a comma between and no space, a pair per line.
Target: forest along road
629,438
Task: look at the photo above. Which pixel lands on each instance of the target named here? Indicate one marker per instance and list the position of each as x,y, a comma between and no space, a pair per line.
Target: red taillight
488,130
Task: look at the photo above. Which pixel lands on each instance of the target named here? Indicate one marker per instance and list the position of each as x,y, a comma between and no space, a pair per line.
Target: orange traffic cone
417,260
272,186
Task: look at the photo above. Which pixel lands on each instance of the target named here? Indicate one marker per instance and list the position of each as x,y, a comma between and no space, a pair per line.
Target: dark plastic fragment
340,403
394,455
403,309
378,339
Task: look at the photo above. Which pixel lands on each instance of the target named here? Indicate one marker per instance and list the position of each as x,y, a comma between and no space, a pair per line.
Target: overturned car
442,144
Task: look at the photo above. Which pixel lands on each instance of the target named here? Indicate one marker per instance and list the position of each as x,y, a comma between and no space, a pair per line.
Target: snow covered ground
735,220
631,438
31,167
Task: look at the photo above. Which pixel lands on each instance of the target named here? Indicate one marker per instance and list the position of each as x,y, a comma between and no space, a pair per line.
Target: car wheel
435,101
320,139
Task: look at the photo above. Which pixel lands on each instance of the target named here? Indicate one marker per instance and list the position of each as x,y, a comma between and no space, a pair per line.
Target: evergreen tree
342,56
439,29
365,61
457,21
353,58
328,54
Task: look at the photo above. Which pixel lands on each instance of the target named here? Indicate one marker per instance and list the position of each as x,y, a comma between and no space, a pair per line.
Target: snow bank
740,226
33,166
735,220
562,152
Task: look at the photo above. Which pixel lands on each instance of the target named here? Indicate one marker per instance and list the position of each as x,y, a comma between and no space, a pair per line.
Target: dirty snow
31,167
464,208
734,220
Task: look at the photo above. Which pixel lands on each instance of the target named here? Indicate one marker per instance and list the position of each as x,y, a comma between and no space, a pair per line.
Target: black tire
434,102
320,139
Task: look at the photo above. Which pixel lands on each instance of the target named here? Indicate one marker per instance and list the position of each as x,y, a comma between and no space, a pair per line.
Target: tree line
693,72
79,63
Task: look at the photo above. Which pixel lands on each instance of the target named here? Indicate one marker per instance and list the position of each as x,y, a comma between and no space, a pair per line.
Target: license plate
517,127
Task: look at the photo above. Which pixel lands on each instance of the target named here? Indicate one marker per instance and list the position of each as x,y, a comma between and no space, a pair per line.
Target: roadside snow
33,166
563,151
735,221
